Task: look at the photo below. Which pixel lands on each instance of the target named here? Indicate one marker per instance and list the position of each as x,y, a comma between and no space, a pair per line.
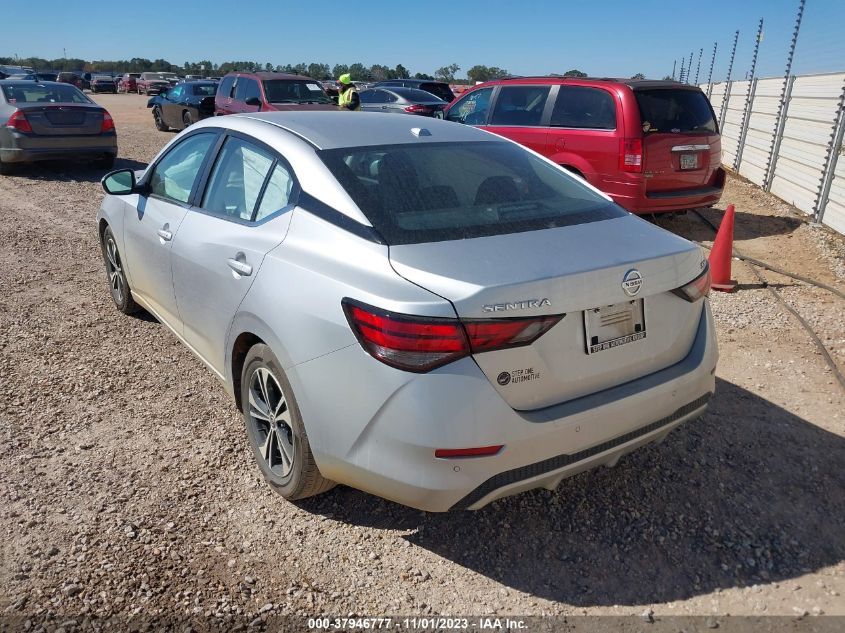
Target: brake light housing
417,108
18,122
420,344
108,123
698,288
631,155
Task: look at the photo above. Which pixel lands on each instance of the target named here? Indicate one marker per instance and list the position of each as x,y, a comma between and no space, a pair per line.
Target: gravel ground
129,490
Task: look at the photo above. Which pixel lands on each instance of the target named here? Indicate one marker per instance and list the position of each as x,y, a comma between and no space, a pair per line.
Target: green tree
400,72
339,69
668,78
423,76
574,73
359,72
638,76
447,73
484,73
319,71
378,72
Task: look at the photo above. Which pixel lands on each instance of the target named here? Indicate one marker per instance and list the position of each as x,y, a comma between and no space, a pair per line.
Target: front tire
187,119
160,126
119,289
275,429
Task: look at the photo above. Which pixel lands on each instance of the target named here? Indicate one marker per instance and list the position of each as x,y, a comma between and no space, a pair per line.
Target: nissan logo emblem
632,282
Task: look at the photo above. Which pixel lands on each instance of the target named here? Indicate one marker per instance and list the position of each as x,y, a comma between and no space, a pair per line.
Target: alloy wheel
114,270
269,414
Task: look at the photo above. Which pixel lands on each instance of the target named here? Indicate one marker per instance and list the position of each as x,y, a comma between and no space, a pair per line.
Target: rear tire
119,288
7,168
187,119
275,429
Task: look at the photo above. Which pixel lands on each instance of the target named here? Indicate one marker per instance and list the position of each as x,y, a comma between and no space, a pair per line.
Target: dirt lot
128,489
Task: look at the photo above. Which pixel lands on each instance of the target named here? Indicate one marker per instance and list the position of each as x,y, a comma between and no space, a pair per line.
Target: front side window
584,107
246,88
447,191
472,108
520,105
236,180
226,84
174,175
294,91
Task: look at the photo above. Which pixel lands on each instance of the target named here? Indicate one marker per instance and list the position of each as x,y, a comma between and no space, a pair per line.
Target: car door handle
384,107
242,268
165,234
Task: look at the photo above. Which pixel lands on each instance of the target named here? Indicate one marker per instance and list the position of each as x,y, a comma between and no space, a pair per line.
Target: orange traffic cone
721,253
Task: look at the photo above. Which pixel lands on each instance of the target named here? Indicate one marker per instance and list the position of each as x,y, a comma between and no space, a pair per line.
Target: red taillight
631,154
18,122
108,123
420,344
697,288
416,108
481,451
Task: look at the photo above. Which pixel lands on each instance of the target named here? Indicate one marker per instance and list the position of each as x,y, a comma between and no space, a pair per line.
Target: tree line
358,71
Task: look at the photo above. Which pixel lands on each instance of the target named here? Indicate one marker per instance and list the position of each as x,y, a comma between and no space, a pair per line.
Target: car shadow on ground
747,226
73,171
749,493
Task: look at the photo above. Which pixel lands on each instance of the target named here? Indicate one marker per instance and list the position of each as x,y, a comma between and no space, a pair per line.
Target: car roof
556,79
331,130
270,75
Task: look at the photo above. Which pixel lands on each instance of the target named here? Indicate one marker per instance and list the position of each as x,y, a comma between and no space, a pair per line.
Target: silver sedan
432,314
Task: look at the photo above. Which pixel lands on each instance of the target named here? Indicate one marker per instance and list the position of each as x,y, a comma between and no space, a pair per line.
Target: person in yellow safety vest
347,96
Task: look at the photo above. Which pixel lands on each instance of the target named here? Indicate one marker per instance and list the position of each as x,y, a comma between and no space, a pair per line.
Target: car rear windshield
418,96
205,89
675,111
434,192
440,90
35,93
294,91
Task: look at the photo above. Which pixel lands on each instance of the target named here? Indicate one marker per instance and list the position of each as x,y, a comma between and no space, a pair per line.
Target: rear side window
675,111
583,107
236,180
432,192
520,105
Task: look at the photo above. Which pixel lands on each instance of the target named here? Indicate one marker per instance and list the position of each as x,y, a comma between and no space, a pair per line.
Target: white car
415,308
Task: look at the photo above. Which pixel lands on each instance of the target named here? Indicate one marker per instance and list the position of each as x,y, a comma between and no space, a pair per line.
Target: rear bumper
20,148
392,453
634,196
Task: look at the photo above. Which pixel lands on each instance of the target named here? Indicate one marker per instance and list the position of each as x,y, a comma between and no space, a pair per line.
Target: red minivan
652,146
267,91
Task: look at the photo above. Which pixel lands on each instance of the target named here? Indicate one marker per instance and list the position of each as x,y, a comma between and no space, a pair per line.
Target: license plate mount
607,327
689,161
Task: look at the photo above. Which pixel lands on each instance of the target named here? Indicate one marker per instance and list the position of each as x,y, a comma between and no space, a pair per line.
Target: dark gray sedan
52,121
401,101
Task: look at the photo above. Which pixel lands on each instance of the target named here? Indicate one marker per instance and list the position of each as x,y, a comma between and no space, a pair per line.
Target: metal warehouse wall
795,156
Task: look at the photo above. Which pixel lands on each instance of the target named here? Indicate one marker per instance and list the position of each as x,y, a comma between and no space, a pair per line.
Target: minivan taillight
420,344
631,154
108,123
18,122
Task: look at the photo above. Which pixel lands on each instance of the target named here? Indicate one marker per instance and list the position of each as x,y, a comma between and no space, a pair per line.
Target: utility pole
674,64
710,74
681,75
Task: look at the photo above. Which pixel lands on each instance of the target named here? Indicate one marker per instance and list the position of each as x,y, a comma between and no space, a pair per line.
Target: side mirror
120,182
253,101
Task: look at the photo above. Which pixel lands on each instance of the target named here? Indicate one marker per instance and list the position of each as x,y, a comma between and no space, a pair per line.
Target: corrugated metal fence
797,157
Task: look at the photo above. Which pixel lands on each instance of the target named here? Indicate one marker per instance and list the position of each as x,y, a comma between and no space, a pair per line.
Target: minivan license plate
689,161
611,326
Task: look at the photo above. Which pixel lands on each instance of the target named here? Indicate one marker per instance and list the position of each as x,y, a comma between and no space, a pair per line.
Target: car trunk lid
571,270
681,145
63,119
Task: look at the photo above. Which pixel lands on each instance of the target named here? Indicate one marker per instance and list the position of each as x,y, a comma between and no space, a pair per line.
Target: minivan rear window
675,111
433,192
